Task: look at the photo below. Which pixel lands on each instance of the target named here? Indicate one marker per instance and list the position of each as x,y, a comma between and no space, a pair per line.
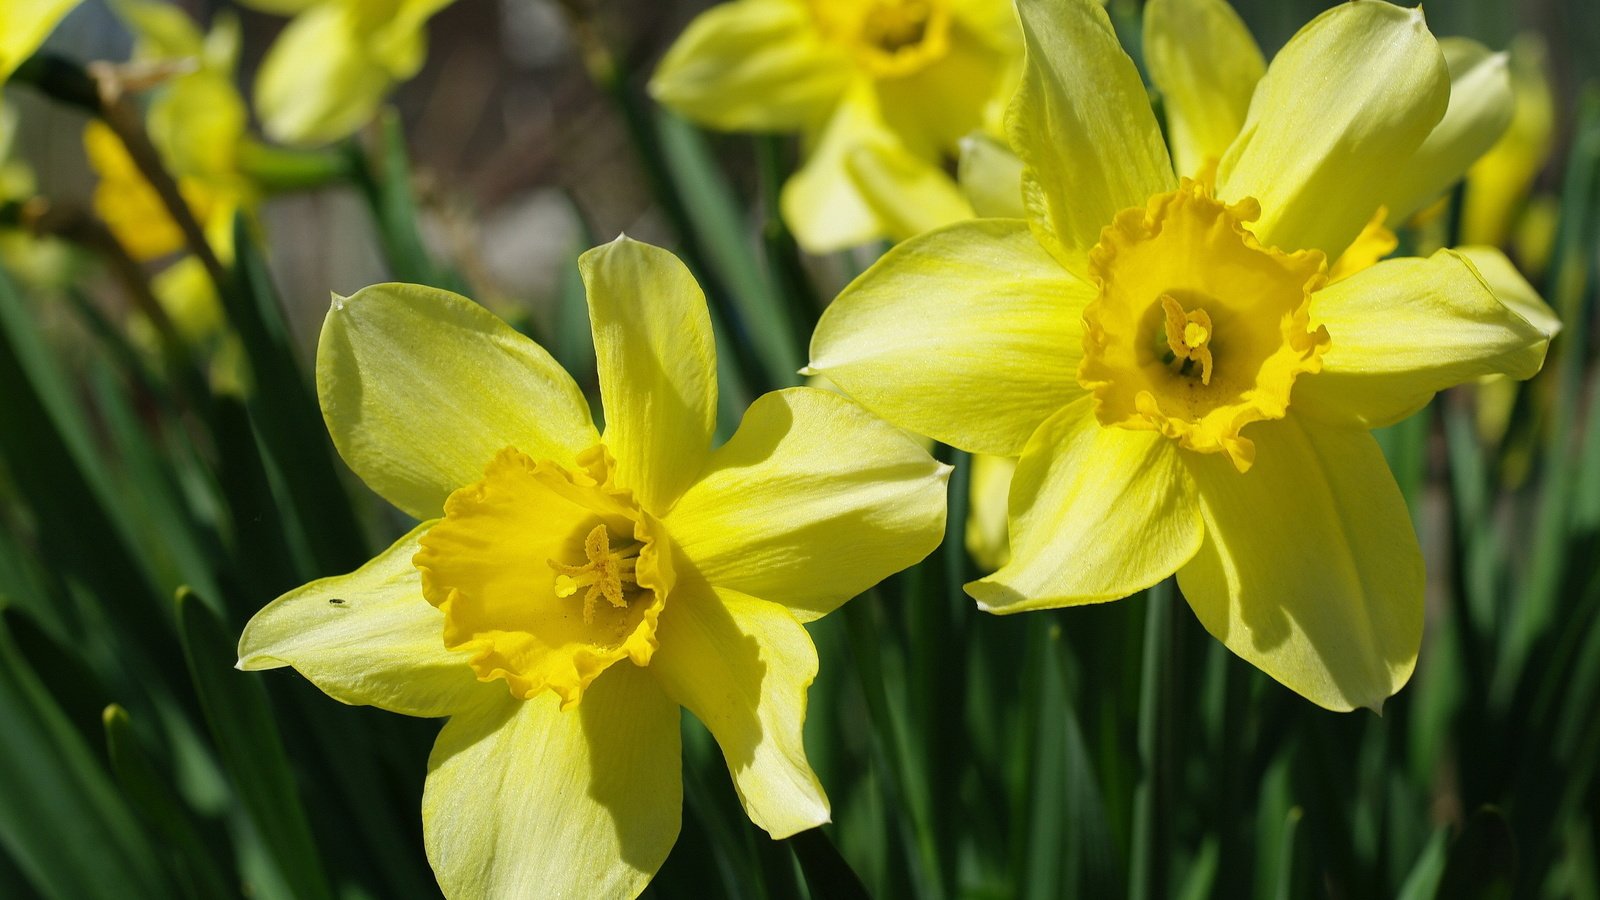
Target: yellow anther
604,574
1188,335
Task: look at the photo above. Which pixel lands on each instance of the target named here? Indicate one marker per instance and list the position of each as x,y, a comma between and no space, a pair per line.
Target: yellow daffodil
568,591
880,90
197,120
334,64
1187,389
1499,183
24,24
987,493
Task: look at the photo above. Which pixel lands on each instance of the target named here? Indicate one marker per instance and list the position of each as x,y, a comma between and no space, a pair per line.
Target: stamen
1188,336
604,574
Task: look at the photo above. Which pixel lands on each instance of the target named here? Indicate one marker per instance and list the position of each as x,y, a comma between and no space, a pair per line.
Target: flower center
546,575
889,37
604,574
1197,329
1188,337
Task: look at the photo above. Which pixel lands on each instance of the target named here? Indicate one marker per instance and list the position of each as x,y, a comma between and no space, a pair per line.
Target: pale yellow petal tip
808,371
338,300
993,597
256,662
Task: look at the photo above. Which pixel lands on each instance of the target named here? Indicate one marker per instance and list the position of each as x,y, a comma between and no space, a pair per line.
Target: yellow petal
658,367
1374,243
991,176
1082,124
753,65
1096,512
1498,183
994,22
965,89
1511,288
420,388
126,202
198,123
1206,65
329,71
743,666
907,194
820,202
368,638
24,24
525,800
1479,111
811,502
990,486
1407,328
1342,105
1310,570
164,30
970,334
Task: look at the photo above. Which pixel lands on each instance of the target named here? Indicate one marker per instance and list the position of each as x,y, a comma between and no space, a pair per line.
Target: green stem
277,169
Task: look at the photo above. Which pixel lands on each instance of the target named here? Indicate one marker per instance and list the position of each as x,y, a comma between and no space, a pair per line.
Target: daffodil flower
567,590
24,24
1499,182
1055,338
881,91
332,67
197,120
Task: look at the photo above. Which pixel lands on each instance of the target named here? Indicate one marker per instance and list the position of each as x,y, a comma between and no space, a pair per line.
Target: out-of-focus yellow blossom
1049,338
881,91
568,591
24,24
1498,183
197,120
988,491
129,206
332,67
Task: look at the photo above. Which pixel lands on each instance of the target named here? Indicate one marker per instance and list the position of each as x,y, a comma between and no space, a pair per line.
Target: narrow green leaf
286,416
1151,850
1423,881
154,799
827,873
385,183
61,819
241,723
723,226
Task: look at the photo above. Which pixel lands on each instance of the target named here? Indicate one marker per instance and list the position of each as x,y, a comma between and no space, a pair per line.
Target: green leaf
286,416
827,873
241,723
385,183
154,799
61,819
723,227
